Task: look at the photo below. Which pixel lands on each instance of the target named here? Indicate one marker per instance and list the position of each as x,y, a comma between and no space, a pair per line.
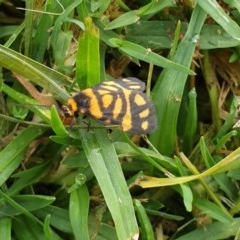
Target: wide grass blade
38,73
87,62
105,165
168,91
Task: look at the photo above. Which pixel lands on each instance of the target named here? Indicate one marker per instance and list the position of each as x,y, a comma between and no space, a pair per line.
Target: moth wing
121,102
143,115
121,84
132,111
131,83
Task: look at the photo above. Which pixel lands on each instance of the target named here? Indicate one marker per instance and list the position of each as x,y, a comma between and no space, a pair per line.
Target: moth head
71,108
79,103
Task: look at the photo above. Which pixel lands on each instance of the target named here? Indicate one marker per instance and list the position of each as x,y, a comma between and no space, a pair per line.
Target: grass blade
105,165
88,57
12,155
78,210
38,73
147,55
168,91
217,13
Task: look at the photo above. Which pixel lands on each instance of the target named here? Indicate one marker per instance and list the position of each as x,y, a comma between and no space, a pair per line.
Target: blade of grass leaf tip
78,210
49,233
191,123
124,20
146,226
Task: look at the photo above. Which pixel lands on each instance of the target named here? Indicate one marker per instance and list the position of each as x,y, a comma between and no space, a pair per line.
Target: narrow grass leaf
82,10
176,38
28,29
14,35
227,123
187,196
145,224
60,20
24,204
221,17
41,40
147,55
123,20
225,139
123,5
191,123
59,217
207,157
228,163
154,7
27,177
49,234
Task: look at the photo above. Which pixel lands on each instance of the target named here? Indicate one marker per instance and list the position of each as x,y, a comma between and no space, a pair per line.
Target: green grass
86,182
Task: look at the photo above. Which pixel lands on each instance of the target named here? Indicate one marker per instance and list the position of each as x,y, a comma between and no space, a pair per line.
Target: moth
119,102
